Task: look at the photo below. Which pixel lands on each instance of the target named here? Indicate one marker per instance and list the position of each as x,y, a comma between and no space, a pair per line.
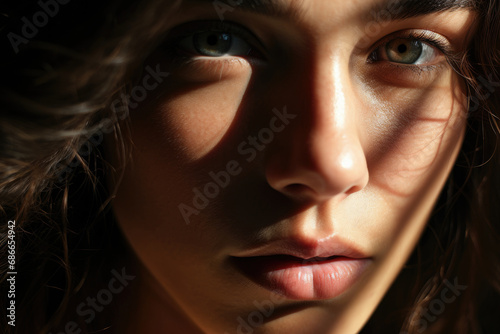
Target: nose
321,155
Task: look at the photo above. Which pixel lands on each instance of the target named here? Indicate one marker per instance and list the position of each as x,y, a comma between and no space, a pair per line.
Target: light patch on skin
411,158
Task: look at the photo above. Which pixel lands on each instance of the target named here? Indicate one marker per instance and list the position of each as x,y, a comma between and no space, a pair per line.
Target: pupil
402,48
404,51
212,40
212,44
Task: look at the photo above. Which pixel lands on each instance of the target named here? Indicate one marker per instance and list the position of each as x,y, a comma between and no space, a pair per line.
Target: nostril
353,190
299,191
295,188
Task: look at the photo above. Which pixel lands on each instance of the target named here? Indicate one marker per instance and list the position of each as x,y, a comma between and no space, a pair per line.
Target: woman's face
284,170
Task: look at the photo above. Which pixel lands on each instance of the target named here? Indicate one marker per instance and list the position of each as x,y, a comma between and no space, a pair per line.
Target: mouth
315,278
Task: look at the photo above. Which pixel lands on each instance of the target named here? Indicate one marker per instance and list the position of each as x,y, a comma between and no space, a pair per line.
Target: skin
365,158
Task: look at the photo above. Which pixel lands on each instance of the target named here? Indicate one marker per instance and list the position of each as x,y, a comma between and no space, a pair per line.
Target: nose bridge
334,138
332,118
326,157
329,84
335,145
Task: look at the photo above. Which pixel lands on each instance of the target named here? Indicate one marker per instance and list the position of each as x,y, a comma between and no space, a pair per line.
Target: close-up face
286,167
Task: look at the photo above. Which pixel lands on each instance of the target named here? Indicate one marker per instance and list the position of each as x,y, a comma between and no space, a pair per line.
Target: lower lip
299,279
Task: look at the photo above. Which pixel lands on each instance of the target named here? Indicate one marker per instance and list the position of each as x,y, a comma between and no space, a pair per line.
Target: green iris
405,51
213,44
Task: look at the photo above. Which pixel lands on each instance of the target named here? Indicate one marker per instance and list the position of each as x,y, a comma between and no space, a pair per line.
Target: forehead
400,9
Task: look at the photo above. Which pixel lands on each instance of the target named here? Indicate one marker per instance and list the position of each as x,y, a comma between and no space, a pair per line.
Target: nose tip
352,168
319,172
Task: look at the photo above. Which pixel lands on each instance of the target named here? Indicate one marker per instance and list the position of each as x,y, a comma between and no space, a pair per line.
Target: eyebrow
393,10
397,9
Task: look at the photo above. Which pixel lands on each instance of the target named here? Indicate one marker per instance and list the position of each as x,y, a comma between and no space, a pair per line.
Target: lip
316,270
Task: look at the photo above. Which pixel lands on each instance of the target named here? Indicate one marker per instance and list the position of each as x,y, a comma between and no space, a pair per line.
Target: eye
215,44
210,50
408,51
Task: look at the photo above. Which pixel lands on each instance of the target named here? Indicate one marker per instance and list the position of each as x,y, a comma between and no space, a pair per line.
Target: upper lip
307,248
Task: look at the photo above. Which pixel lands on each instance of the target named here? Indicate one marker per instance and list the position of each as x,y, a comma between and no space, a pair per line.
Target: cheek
423,135
197,112
173,135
